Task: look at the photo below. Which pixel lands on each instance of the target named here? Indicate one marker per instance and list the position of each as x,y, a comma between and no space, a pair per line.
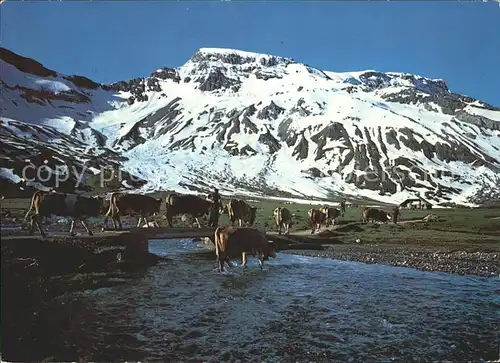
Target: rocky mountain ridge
258,125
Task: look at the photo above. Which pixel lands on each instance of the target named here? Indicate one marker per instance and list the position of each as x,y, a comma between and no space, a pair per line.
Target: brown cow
283,219
121,204
238,209
75,206
231,241
373,214
331,214
187,204
316,219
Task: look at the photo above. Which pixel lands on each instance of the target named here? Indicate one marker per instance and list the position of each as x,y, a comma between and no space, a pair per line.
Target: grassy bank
461,241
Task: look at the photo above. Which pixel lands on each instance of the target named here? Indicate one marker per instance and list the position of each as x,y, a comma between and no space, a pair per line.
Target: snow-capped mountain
257,125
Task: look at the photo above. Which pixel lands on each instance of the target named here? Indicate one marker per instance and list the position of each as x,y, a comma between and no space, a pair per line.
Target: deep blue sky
111,41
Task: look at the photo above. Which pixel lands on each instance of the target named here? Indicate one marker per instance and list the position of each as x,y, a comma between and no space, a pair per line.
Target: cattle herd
250,241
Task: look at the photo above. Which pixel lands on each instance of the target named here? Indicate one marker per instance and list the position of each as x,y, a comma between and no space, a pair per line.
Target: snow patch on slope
187,150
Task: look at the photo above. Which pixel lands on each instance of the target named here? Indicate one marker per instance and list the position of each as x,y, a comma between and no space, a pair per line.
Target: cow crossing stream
296,309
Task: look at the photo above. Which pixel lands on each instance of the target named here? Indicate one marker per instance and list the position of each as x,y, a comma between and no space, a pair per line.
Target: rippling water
297,308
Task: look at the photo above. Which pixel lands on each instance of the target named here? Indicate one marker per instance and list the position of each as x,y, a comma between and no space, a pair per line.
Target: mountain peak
235,56
226,51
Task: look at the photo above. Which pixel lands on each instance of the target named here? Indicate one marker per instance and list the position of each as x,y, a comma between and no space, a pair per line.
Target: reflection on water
296,308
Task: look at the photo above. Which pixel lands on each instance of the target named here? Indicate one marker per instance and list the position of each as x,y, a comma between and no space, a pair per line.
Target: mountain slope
260,125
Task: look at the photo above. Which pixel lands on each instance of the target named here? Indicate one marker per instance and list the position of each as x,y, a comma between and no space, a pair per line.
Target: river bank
37,273
422,246
418,257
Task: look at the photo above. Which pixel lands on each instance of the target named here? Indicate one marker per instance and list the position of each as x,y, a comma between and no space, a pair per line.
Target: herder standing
215,211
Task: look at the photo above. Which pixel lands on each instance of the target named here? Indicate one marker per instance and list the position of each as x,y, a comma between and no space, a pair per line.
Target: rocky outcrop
237,58
300,108
131,138
166,73
217,80
139,86
478,120
377,80
270,141
314,172
26,65
302,149
44,96
83,82
334,131
270,112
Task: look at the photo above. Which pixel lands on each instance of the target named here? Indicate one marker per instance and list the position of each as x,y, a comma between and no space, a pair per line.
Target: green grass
460,228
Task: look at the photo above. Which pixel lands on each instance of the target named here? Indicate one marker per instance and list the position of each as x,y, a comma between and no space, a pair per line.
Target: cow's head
271,249
277,212
253,214
389,216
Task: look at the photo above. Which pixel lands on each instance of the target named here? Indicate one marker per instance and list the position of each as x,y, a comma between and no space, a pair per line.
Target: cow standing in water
75,206
232,241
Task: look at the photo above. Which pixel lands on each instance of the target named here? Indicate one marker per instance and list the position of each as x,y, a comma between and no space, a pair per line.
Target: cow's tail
31,206
217,241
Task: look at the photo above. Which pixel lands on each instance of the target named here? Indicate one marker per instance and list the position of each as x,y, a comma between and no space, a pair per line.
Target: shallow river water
296,309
